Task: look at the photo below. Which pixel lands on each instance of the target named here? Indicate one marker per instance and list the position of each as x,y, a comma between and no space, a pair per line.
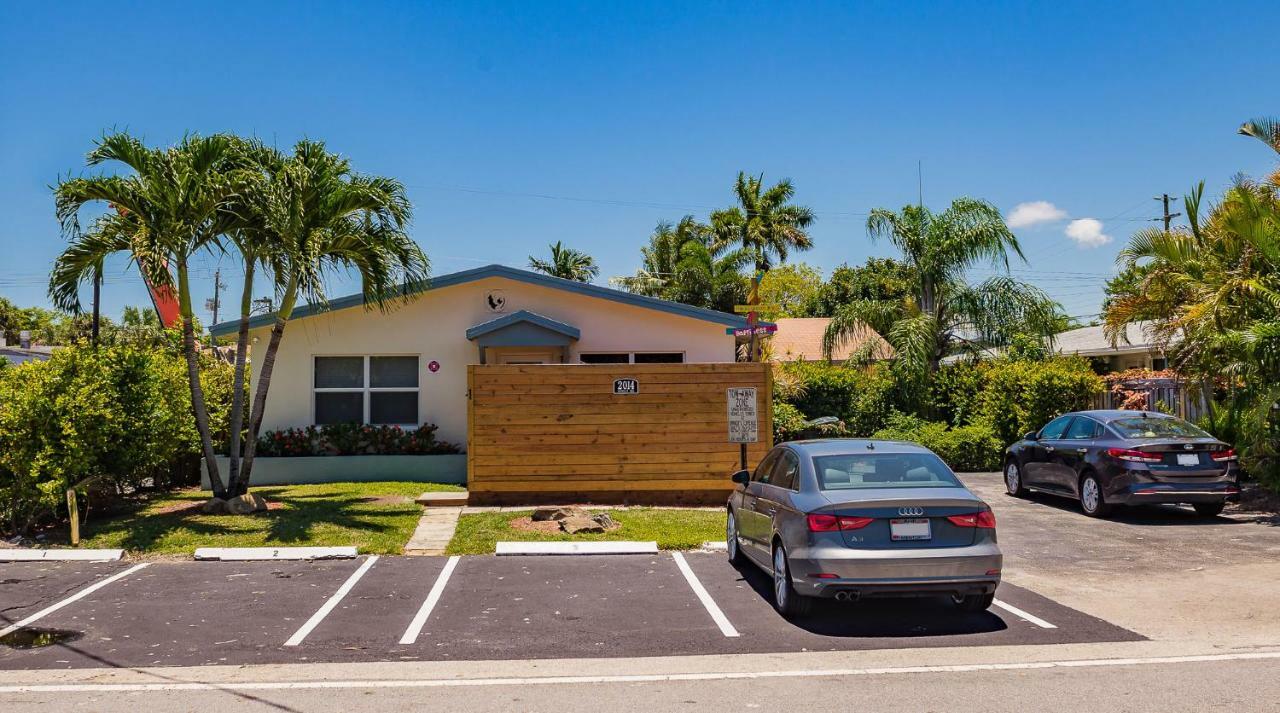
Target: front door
753,524
1038,469
1074,450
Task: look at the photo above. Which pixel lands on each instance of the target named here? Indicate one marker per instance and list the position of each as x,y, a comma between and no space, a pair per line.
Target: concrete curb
251,554
37,555
576,548
715,546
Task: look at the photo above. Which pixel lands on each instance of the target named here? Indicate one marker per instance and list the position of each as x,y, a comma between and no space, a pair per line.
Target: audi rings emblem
911,512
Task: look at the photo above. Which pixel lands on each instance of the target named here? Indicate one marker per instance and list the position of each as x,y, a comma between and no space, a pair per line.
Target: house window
1159,363
366,389
632,358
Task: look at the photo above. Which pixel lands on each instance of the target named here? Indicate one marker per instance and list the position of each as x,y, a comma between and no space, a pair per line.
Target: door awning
523,329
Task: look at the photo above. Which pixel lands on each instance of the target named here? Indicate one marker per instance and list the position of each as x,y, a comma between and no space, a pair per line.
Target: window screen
660,358
604,358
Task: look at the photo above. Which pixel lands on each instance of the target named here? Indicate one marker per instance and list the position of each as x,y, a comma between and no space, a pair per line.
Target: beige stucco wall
433,327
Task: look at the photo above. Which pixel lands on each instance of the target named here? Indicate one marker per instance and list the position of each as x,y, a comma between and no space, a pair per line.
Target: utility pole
1168,217
213,304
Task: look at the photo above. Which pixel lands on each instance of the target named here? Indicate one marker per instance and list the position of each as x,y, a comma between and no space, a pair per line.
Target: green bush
956,392
862,398
346,439
111,421
964,448
787,422
1021,396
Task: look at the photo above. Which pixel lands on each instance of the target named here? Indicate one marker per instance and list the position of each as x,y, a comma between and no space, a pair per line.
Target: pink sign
433,366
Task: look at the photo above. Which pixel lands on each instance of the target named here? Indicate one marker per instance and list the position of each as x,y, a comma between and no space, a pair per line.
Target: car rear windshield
882,470
1156,428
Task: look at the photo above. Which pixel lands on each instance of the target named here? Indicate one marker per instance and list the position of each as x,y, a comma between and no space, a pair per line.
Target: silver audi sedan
848,519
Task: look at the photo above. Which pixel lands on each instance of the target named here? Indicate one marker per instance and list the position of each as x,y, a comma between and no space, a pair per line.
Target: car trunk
1184,458
886,505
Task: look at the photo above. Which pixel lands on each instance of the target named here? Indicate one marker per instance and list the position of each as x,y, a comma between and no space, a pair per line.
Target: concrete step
445,499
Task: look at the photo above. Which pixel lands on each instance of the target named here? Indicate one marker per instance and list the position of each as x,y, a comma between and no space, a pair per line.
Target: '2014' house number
626,386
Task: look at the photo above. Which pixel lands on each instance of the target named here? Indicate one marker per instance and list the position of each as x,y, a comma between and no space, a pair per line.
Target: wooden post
73,508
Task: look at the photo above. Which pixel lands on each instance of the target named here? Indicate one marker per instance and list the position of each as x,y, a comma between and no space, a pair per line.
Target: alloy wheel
731,536
1012,478
780,588
1089,494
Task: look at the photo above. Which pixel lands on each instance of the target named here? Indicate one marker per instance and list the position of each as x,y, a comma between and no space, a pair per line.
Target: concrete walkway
434,531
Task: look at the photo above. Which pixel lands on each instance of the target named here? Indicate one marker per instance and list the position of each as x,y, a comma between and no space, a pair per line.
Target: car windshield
882,470
1156,428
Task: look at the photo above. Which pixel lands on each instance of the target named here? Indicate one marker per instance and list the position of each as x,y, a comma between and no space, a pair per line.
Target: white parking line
703,596
73,598
323,611
437,589
1019,613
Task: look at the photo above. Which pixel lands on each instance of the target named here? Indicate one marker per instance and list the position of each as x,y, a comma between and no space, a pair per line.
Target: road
1155,611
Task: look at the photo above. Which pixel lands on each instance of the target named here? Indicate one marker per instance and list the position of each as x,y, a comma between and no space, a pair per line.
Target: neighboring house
20,355
408,366
800,339
1135,349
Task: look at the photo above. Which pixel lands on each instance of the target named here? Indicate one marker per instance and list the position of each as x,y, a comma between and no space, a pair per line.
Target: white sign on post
742,416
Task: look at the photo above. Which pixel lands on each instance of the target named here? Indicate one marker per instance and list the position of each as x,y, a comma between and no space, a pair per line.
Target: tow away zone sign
743,417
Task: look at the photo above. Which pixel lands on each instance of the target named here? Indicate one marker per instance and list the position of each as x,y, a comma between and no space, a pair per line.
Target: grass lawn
378,518
672,529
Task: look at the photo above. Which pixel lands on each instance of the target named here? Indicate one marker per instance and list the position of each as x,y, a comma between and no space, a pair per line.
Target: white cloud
1025,215
1087,233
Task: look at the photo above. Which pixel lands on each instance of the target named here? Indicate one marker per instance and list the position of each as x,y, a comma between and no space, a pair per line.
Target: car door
775,497
752,524
1070,456
1036,468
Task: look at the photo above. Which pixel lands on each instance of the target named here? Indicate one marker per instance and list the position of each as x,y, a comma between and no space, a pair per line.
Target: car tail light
1134,456
985,519
832,523
1224,456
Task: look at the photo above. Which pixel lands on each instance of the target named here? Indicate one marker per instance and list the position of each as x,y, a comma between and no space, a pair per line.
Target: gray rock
605,521
213,506
245,504
575,524
549,513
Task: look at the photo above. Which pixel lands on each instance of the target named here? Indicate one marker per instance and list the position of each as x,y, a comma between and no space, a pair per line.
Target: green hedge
110,421
964,448
346,439
1021,396
862,398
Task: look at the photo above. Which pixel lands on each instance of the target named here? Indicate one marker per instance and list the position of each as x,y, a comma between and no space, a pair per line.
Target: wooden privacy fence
636,433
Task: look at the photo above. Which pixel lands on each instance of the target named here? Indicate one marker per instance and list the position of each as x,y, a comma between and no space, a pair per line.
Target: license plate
912,529
1188,459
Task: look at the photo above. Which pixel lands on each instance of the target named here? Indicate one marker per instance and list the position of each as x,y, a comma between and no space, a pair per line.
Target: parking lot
471,608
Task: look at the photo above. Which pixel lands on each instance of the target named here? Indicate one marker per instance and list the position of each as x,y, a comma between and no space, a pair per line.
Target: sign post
743,419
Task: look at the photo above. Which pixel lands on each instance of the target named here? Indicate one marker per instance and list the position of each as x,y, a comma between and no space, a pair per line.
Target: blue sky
517,124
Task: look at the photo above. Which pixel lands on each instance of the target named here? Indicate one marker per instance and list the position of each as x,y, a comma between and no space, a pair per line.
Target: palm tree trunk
198,408
264,381
237,385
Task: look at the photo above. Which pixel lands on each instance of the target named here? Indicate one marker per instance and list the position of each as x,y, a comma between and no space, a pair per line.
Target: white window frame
367,390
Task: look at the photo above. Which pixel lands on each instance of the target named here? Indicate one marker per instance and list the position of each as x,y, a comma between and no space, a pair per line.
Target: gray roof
511,273
1092,341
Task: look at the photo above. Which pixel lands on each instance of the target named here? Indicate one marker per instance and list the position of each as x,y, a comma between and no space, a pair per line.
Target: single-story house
1135,349
408,366
800,339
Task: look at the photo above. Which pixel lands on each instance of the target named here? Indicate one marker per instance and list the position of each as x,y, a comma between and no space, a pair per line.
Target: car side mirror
742,477
1031,436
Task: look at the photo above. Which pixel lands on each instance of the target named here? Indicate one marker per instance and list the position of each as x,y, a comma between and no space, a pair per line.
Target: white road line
1029,617
703,596
323,611
73,598
623,678
437,589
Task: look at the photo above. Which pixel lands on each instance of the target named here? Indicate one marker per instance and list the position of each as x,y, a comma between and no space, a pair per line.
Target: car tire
1091,500
1209,509
974,602
1013,479
731,540
786,600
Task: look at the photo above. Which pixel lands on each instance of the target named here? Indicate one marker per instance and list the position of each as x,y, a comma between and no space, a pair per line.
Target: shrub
862,398
348,439
965,448
1022,396
108,421
956,392
787,422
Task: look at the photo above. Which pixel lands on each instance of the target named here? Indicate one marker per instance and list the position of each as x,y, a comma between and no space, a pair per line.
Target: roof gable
510,273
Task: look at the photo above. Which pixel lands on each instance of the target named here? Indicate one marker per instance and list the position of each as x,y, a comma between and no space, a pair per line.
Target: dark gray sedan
1109,458
849,519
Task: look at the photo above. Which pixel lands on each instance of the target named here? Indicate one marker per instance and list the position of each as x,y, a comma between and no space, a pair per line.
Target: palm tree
567,264
167,211
944,313
764,222
312,214
682,263
660,256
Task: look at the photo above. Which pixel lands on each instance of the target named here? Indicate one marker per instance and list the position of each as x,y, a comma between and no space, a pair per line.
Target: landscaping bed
671,528
376,518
